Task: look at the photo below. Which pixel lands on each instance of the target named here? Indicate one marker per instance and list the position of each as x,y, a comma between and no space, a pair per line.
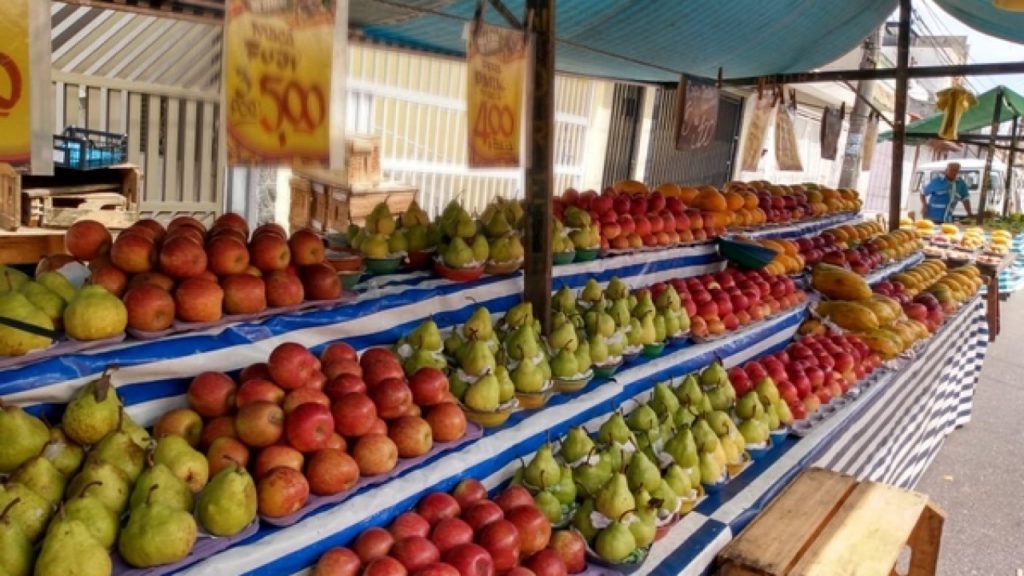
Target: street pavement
978,476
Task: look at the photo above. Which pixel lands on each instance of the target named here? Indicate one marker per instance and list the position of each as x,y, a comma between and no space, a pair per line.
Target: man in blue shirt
940,196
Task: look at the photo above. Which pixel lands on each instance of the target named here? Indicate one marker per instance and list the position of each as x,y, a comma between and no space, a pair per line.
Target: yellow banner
278,81
494,95
15,124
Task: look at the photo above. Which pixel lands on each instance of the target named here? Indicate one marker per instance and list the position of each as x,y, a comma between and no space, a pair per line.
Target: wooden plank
207,156
188,159
153,173
115,110
800,512
71,116
134,115
172,189
866,535
93,107
134,86
925,541
10,197
19,248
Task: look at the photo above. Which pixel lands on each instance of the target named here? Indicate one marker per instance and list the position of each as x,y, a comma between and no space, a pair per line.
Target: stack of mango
951,287
999,243
787,258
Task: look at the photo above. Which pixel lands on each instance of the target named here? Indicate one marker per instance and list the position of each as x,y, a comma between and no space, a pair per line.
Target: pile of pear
633,312
422,348
760,412
384,236
99,481
569,345
560,241
669,307
550,480
605,321
477,380
462,244
52,303
502,222
584,234
523,352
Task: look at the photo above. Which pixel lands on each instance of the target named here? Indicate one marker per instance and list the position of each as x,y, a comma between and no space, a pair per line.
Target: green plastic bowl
563,258
587,254
653,350
350,279
379,266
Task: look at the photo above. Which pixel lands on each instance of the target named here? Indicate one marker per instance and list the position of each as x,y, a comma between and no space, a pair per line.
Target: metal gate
623,133
709,165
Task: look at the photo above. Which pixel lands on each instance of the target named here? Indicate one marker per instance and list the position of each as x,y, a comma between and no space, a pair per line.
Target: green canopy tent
994,107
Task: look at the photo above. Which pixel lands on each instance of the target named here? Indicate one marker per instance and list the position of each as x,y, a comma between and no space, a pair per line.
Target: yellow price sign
494,95
278,81
15,123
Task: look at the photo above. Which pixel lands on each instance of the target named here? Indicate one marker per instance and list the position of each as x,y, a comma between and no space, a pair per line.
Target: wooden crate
362,159
398,197
10,197
109,196
324,201
828,524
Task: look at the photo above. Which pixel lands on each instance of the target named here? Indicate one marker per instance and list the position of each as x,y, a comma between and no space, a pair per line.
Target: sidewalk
978,475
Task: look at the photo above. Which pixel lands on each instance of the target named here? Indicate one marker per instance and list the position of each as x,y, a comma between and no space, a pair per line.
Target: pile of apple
192,274
462,534
810,372
732,298
627,221
860,248
305,424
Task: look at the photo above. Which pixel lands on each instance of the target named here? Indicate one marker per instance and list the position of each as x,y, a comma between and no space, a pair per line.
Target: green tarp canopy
976,117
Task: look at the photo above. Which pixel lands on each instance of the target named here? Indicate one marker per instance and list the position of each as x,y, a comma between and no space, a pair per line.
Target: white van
970,170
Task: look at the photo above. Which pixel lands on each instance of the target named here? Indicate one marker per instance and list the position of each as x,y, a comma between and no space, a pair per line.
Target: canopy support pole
1009,166
986,177
899,126
540,176
880,74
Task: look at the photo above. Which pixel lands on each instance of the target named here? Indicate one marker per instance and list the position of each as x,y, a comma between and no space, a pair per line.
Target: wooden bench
828,524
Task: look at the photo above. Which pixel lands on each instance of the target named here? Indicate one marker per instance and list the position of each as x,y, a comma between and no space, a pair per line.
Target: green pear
635,336
15,342
719,422
678,480
427,336
749,406
457,254
484,394
506,389
12,279
46,300
592,477
497,225
95,314
423,359
582,522
714,375
704,436
158,484
641,473
24,436
683,449
42,477
101,521
519,315
138,434
616,289
614,430
478,359
644,525
31,513
615,543
663,401
660,328
105,482
94,412
119,449
184,461
398,242
549,505
65,454
577,444
615,499
668,299
733,454
565,490
599,353
528,377
564,300
228,504
583,359
479,326
564,365
772,415
156,535
619,313
642,419
721,397
523,343
453,343
418,238
689,392
543,471
465,227
667,497
785,414
648,335
710,469
70,549
564,338
591,291
15,548
481,250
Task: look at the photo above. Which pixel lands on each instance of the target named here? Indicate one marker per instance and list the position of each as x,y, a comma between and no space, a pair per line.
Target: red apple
391,396
547,563
111,278
320,282
260,423
87,239
344,384
150,308
502,541
372,544
198,300
283,289
258,390
380,364
253,371
451,532
306,248
337,562
409,524
225,452
429,386
533,526
354,414
182,258
469,491
415,552
299,396
277,456
282,492
133,253
211,394
331,471
470,560
220,427
338,351
180,422
513,497
571,548
482,513
375,454
412,436
309,426
269,252
292,365
337,367
244,294
438,506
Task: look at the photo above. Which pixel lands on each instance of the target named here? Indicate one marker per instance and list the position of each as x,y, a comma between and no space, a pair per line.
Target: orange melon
710,200
630,187
688,194
669,190
734,200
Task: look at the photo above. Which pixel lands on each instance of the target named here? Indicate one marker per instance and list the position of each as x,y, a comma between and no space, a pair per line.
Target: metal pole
850,173
986,178
899,126
881,74
1009,166
540,176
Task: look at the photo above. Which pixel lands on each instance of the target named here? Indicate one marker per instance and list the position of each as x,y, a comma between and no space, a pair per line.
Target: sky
983,49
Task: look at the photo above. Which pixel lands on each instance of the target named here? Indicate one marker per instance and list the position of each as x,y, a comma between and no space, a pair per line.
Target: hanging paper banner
277,85
753,146
696,113
831,127
494,95
15,123
870,137
787,156
953,102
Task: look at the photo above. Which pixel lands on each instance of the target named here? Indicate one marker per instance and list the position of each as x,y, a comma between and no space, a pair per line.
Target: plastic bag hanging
953,102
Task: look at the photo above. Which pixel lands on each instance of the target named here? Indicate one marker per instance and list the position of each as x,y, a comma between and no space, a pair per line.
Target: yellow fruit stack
787,259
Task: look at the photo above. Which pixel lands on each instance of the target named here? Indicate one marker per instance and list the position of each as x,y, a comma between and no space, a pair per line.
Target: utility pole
850,172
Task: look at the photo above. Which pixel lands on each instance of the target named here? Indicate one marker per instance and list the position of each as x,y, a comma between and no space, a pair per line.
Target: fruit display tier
889,434
387,308
884,272
1012,279
804,228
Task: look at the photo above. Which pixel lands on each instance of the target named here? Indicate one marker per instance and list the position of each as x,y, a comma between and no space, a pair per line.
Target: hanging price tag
278,81
696,113
15,123
494,95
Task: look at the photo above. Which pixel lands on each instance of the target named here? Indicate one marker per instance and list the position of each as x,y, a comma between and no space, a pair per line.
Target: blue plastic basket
83,149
